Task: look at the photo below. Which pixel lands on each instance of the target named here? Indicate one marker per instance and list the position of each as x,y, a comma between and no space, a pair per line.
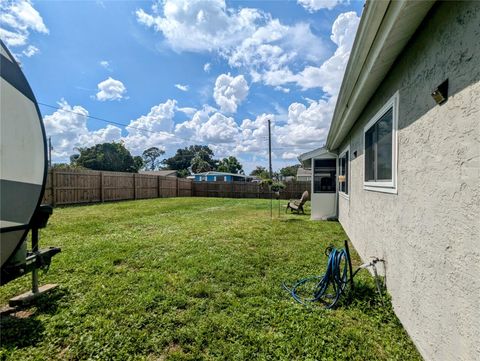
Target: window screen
324,176
344,172
378,149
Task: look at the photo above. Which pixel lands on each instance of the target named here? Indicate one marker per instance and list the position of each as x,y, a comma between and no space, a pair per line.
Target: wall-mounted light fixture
440,95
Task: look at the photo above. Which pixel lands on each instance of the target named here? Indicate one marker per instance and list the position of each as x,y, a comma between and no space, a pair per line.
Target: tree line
193,159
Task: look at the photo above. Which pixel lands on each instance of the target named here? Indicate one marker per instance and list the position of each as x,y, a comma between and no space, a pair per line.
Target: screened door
324,187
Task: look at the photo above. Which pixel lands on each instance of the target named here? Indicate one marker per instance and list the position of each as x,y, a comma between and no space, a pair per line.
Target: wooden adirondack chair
297,205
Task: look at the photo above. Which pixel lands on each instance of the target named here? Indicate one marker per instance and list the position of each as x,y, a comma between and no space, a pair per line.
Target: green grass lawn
193,279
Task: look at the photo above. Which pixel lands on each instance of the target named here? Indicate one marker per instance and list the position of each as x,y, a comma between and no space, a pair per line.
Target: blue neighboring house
214,176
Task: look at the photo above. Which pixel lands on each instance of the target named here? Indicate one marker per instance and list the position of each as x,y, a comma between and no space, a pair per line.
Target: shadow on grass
365,297
307,214
291,220
364,294
23,327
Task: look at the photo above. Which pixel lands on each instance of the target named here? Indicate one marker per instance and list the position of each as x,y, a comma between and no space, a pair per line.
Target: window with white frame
380,149
343,172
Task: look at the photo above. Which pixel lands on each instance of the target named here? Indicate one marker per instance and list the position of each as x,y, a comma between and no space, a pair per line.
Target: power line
265,138
124,125
97,118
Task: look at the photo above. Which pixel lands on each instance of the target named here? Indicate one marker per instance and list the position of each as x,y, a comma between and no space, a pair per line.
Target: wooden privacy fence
83,186
293,190
75,187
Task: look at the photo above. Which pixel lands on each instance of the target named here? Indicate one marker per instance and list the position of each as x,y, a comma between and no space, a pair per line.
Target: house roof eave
384,30
306,157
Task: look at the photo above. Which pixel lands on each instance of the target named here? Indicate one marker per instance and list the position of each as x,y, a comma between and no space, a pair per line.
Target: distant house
303,175
214,176
401,165
163,173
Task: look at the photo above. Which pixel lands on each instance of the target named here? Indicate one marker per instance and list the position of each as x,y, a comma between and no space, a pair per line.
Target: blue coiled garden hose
331,285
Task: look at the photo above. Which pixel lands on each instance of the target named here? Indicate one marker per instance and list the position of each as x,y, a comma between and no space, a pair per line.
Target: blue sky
184,72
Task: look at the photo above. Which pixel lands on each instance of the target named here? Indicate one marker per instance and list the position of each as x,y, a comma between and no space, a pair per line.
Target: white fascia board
311,154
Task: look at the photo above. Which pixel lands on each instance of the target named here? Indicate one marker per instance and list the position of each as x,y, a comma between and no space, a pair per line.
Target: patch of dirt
171,349
23,314
64,353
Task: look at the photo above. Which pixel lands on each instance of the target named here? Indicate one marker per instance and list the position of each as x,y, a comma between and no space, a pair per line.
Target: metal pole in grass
347,250
270,173
271,204
278,206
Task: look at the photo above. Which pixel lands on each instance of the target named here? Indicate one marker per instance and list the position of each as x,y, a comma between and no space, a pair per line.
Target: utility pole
50,152
270,151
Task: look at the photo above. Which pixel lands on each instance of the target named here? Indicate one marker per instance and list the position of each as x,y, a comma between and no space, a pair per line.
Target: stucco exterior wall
429,232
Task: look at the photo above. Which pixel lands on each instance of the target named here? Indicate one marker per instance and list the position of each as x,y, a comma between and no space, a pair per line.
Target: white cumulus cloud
274,46
230,91
153,129
289,155
328,76
282,89
219,128
315,5
158,119
207,67
254,135
111,89
17,19
181,87
189,129
248,39
301,128
208,126
268,57
31,50
307,126
199,25
68,129
105,64
189,111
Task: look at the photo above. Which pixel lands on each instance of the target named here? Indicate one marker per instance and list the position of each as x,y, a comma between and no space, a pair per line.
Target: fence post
158,186
134,186
54,198
176,190
102,196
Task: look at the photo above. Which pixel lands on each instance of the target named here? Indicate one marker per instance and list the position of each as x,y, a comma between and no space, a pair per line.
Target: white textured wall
429,233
